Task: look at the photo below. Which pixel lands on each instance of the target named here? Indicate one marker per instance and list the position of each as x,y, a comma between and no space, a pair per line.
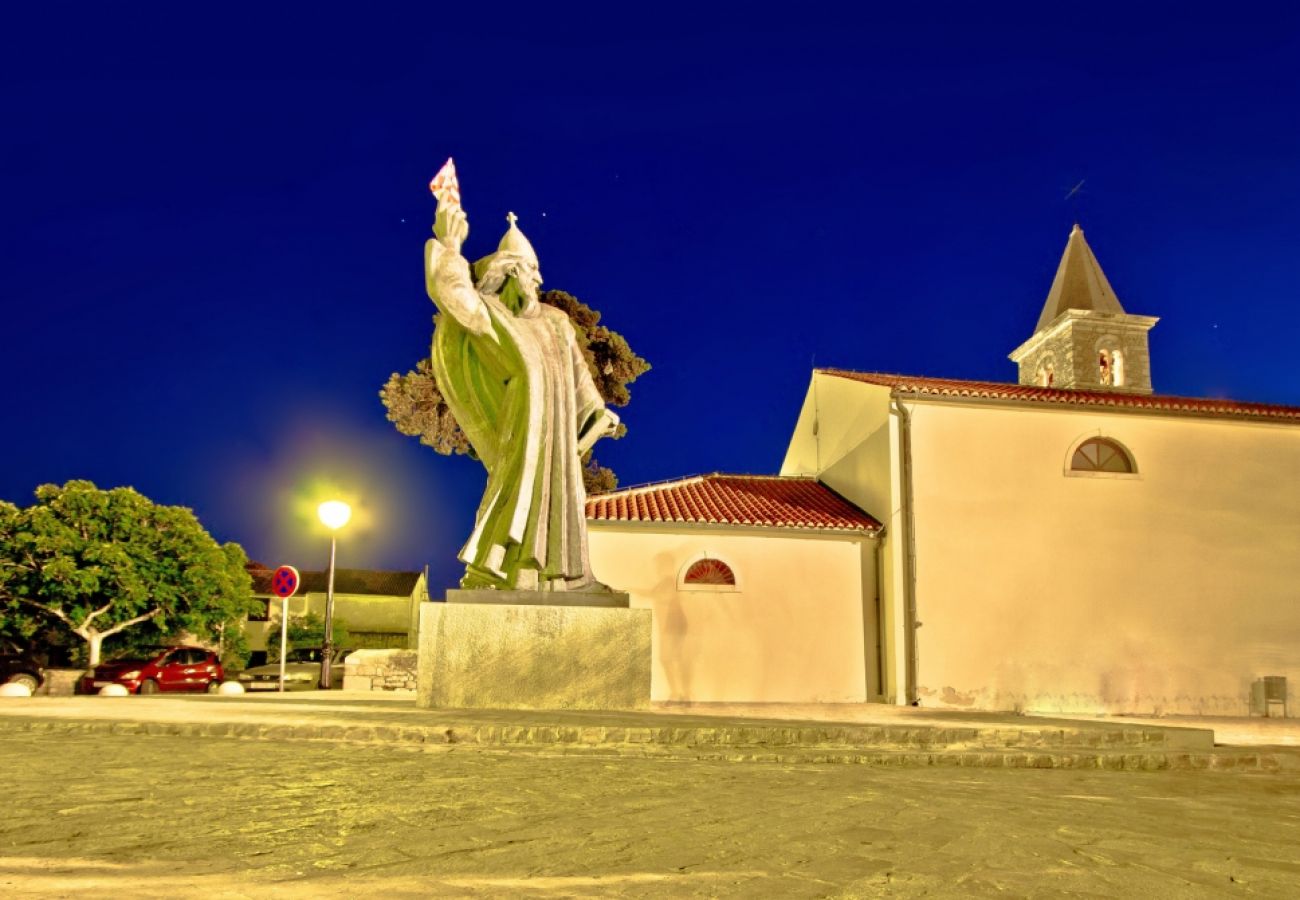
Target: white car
301,671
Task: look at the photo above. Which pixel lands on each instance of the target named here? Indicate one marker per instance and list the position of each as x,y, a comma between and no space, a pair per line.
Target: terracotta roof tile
717,499
994,390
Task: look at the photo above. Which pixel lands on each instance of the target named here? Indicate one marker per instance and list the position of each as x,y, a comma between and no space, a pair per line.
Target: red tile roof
346,581
757,500
994,390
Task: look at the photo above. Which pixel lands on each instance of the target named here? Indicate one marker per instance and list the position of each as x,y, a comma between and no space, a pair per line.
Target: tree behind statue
107,564
416,407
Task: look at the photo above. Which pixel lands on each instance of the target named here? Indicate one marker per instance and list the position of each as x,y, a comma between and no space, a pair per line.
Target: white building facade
764,589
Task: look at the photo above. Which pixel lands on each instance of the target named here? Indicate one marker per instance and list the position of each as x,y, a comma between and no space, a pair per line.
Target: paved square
159,816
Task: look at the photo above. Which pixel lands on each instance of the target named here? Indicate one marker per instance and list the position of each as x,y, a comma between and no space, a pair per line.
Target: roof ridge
1094,397
785,501
694,479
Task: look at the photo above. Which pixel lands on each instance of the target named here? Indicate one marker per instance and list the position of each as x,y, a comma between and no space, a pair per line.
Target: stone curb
741,744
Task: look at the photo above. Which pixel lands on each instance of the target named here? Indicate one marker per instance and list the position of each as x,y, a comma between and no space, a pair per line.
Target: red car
159,669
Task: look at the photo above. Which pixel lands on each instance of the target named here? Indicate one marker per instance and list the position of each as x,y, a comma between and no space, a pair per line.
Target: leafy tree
104,562
234,645
416,405
305,631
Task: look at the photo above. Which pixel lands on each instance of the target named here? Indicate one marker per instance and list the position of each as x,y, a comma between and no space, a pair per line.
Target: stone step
856,737
847,737
1222,759
1133,749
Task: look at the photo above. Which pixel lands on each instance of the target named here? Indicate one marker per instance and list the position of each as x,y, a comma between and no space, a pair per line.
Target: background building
381,609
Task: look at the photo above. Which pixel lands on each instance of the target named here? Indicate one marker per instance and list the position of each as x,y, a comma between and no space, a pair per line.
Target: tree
416,405
100,562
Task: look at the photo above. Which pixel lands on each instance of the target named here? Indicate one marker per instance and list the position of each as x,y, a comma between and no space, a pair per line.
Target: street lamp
334,514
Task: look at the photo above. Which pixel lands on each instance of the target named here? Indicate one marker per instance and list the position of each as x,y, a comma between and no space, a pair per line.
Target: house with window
751,579
1072,542
380,609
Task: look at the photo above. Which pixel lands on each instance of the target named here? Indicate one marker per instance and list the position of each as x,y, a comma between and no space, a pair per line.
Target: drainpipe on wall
909,547
879,588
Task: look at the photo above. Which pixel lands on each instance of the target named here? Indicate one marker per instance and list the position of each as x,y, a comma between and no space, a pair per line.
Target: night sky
213,226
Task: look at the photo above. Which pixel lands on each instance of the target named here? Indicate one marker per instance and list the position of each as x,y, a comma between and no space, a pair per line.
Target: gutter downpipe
910,625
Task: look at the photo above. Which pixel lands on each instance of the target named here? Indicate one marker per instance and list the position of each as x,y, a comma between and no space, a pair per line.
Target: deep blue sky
213,221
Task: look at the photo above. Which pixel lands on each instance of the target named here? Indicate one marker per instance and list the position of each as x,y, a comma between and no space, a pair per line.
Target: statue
511,371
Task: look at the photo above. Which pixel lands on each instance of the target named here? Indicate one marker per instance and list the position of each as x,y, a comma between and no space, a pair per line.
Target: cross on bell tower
1084,340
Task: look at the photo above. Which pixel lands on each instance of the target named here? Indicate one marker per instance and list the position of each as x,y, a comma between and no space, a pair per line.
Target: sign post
284,584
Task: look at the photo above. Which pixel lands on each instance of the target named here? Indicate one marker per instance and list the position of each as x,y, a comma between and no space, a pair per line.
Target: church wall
1170,591
854,453
849,452
798,628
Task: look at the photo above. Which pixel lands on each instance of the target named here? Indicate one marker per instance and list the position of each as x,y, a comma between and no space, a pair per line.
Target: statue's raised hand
604,423
451,226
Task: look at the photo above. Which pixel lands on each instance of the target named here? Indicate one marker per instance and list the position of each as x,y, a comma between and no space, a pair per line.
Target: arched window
709,572
706,573
1110,361
1046,375
1101,455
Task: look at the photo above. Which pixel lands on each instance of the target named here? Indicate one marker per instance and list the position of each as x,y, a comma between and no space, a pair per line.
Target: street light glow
334,514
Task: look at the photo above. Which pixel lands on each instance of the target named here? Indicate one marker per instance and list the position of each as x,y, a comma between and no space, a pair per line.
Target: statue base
534,650
540,598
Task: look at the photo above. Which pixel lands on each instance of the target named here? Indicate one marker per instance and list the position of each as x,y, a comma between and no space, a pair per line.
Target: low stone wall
60,682
380,670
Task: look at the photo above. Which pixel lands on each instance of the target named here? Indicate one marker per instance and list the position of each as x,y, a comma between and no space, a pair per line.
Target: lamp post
334,514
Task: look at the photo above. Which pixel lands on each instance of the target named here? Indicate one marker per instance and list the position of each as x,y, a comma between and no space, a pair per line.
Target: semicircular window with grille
1101,455
709,571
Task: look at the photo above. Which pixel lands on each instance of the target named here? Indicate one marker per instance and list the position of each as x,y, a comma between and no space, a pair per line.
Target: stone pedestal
498,654
541,598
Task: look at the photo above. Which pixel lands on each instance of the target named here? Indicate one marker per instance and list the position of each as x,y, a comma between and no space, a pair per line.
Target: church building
1073,542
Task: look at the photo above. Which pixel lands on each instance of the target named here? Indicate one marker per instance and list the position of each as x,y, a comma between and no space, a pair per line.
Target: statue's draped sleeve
447,279
587,399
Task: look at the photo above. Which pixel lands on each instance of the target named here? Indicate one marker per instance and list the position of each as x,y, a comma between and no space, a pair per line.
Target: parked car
301,671
22,668
159,669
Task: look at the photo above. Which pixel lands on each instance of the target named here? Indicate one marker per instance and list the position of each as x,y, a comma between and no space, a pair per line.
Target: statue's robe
520,389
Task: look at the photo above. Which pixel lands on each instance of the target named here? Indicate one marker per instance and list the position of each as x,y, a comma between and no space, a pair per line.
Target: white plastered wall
1168,592
847,438
799,628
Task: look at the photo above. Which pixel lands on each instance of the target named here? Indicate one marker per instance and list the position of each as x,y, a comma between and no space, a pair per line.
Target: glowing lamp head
334,514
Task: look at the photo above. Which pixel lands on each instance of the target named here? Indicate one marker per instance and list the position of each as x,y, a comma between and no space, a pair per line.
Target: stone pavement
344,794
102,814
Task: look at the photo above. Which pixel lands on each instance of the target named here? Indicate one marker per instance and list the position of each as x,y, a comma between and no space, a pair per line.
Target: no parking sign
284,584
285,581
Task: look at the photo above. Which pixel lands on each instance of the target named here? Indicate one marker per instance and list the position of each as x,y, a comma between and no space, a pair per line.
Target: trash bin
1268,697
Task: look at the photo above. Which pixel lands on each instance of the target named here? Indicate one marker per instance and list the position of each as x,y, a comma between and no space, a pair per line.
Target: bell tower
1084,339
